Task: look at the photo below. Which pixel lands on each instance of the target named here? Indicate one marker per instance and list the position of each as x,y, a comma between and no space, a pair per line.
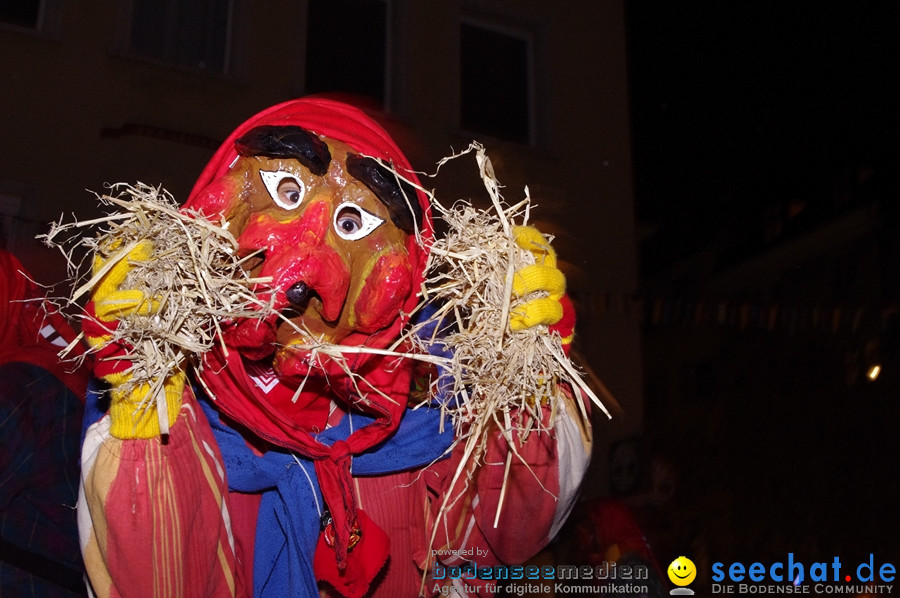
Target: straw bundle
494,370
502,380
194,274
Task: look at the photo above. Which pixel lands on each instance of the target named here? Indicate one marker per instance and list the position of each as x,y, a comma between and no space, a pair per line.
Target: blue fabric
288,526
431,332
96,404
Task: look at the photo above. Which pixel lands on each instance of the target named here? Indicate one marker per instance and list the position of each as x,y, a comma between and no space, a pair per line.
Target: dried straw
195,275
503,380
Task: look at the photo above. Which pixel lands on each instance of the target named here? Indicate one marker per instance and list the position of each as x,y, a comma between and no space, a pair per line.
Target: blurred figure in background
41,408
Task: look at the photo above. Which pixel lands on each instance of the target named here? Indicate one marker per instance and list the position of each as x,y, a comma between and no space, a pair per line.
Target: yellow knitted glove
543,275
131,415
112,302
131,418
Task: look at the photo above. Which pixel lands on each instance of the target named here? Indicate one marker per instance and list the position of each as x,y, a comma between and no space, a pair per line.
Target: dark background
738,106
744,114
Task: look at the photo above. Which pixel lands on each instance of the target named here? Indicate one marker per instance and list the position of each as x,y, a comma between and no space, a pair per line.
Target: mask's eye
353,223
285,189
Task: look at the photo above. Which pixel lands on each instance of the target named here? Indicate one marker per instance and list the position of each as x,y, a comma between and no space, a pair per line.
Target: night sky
737,106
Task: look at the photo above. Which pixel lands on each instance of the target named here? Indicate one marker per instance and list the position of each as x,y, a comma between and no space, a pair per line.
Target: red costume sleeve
153,516
545,472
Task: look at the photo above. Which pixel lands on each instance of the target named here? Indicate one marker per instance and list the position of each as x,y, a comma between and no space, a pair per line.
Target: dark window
346,47
22,13
194,33
495,88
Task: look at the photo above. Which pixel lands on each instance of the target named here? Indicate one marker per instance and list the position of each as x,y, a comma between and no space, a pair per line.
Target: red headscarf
383,384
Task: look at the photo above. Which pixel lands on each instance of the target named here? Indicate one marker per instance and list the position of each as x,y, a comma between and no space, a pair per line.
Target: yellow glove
543,275
111,302
130,414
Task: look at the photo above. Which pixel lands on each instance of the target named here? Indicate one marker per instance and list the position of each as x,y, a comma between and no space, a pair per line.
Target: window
192,33
495,85
22,13
346,47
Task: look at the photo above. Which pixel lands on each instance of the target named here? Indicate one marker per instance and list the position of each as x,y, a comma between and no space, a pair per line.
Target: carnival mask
331,229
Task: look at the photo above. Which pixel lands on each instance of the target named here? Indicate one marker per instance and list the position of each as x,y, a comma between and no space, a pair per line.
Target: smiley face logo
682,571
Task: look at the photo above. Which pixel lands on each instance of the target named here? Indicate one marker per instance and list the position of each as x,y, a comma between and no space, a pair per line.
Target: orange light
873,372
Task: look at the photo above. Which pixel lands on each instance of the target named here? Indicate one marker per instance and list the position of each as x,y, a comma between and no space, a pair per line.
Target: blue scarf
288,526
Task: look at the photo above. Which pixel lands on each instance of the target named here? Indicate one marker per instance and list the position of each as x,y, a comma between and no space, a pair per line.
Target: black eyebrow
288,141
396,194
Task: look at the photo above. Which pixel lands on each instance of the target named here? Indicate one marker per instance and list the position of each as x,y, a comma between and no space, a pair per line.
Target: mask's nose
299,294
312,228
302,263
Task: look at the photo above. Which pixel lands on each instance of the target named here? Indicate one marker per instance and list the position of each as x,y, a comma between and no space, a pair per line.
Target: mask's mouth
302,304
281,331
299,327
291,361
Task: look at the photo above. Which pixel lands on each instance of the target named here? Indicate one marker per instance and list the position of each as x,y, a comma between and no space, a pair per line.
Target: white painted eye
352,223
284,187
